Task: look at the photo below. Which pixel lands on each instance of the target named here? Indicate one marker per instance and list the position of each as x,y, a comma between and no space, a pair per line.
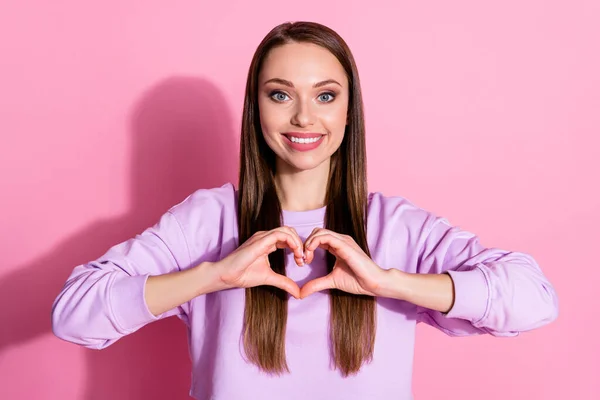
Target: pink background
111,112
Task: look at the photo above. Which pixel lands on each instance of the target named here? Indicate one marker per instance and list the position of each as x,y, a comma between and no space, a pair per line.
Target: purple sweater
496,291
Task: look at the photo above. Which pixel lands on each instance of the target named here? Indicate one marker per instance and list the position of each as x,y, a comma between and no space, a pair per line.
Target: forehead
302,63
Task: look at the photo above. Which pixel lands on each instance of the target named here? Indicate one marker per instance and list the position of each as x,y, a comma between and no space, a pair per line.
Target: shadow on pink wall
183,139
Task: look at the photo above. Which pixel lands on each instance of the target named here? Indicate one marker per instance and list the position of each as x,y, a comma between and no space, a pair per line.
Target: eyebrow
290,84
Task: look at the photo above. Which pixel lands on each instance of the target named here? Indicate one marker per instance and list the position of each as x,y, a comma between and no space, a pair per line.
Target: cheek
271,116
268,123
336,118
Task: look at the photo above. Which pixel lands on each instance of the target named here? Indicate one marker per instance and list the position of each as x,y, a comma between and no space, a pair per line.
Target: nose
303,114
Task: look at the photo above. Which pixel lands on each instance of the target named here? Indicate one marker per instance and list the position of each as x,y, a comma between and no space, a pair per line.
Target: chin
306,164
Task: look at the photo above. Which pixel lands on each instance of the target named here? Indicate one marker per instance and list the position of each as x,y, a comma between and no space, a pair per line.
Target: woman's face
303,103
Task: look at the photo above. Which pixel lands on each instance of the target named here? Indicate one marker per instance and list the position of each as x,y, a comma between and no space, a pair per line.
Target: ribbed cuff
471,295
127,302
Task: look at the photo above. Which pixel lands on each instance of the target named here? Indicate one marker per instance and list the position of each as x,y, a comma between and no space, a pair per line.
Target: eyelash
274,92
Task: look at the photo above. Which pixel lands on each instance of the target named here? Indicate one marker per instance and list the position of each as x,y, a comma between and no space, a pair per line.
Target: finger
280,239
294,233
336,246
317,233
313,233
309,254
322,232
284,283
316,285
255,237
299,261
297,251
289,231
310,245
282,245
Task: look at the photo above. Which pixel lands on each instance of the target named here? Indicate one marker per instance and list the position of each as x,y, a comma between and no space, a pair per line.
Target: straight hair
353,322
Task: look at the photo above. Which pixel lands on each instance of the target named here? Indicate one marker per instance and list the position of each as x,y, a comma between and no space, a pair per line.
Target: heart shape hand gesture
353,271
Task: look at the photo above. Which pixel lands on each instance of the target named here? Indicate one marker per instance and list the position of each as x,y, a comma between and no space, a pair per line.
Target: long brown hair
352,324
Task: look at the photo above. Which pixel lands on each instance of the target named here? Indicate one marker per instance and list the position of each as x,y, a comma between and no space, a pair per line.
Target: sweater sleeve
103,300
497,291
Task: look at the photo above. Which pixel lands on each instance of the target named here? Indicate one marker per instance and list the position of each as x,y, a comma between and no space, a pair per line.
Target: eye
327,97
278,96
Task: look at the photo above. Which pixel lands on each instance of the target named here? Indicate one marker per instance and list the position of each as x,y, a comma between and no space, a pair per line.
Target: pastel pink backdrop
111,112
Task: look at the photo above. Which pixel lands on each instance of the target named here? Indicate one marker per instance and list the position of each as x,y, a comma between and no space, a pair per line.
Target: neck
301,190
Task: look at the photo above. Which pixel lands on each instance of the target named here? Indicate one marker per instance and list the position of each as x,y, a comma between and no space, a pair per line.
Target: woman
226,261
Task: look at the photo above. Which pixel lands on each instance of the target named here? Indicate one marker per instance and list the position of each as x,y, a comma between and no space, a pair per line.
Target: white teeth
299,140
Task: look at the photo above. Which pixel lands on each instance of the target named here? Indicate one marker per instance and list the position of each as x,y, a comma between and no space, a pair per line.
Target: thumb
316,285
284,283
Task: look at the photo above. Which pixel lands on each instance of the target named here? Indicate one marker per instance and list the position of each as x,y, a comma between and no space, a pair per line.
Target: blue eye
327,100
278,96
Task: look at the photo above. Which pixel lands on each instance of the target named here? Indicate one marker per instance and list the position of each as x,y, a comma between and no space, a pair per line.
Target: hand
353,271
249,266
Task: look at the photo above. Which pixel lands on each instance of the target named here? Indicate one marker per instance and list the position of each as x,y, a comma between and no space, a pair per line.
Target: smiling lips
303,141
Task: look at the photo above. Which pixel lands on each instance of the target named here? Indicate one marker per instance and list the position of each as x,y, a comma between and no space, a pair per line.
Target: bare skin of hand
353,271
248,266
